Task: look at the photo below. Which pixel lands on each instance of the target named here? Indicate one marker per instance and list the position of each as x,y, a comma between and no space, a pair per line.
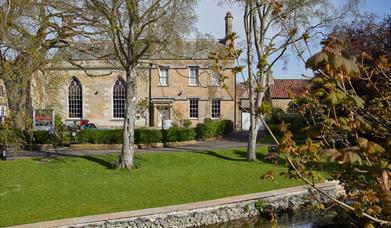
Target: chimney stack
228,23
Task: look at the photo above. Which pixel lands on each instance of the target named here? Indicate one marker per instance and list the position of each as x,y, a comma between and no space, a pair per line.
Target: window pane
215,108
2,110
75,100
119,98
193,79
215,80
193,109
163,76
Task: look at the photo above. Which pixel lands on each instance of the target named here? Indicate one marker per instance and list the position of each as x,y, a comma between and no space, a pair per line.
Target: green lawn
32,190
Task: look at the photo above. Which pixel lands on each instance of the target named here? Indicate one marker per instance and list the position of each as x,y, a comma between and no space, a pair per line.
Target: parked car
88,126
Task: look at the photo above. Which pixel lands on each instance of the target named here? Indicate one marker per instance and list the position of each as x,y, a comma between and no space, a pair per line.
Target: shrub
179,134
278,115
186,123
147,136
211,129
40,137
100,136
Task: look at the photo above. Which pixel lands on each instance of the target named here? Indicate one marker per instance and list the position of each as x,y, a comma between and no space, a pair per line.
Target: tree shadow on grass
261,157
211,153
48,156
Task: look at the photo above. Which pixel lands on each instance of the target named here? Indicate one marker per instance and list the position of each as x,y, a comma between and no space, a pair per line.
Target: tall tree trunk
127,153
248,25
255,120
17,97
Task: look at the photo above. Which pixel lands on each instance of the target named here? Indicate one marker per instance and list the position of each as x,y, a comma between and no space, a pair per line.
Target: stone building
172,86
279,94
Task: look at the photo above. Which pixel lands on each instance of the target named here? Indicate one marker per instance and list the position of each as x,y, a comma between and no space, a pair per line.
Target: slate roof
285,88
188,49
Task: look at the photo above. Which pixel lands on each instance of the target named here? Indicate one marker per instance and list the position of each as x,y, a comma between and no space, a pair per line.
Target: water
297,220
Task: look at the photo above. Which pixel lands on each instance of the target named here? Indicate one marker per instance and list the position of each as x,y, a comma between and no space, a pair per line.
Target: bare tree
138,29
272,28
30,33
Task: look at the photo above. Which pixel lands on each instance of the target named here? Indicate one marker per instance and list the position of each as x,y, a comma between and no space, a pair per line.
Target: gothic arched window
75,99
119,97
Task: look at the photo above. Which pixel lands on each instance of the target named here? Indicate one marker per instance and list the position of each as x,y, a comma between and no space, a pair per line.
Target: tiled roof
285,88
187,49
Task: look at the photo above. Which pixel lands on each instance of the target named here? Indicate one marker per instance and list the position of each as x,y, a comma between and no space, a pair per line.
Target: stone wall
281,103
203,213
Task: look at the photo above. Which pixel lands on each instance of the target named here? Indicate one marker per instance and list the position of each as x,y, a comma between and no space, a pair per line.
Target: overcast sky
211,20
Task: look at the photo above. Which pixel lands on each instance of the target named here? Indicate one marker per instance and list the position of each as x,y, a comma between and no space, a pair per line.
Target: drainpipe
151,114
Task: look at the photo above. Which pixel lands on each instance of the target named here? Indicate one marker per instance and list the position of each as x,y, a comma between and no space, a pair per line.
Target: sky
211,20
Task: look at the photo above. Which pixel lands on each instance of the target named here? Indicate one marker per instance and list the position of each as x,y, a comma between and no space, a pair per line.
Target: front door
163,114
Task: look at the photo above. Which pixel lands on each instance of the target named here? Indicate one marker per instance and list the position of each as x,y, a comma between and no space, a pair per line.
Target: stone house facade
172,86
279,94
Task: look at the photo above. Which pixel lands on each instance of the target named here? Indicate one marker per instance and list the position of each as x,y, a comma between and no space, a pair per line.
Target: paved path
199,146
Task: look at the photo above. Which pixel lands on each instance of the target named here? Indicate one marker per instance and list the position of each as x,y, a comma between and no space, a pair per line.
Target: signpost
43,119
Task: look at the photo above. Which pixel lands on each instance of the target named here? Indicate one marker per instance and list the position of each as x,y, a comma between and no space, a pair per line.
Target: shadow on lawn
55,156
242,156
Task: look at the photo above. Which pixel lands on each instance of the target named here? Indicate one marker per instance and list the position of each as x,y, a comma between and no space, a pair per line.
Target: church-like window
119,97
75,99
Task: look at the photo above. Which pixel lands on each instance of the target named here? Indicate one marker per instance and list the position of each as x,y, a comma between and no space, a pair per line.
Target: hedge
141,135
180,134
100,136
214,128
38,137
145,135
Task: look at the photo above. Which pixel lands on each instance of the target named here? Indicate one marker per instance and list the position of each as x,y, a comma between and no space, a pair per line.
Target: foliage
10,138
214,128
186,123
100,136
260,206
179,134
271,28
278,115
41,137
142,136
30,32
354,126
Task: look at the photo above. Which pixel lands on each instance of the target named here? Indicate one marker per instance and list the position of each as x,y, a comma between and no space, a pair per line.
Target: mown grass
32,190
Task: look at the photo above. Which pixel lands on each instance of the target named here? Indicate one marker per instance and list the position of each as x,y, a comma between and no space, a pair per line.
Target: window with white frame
193,77
216,108
193,108
119,98
214,79
75,99
163,76
1,91
2,110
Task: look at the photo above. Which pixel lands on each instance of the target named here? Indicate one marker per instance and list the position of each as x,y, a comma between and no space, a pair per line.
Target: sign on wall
43,119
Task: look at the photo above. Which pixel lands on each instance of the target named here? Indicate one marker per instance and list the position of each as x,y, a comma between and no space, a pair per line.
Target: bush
114,136
179,134
39,137
210,129
100,136
147,136
278,115
186,123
